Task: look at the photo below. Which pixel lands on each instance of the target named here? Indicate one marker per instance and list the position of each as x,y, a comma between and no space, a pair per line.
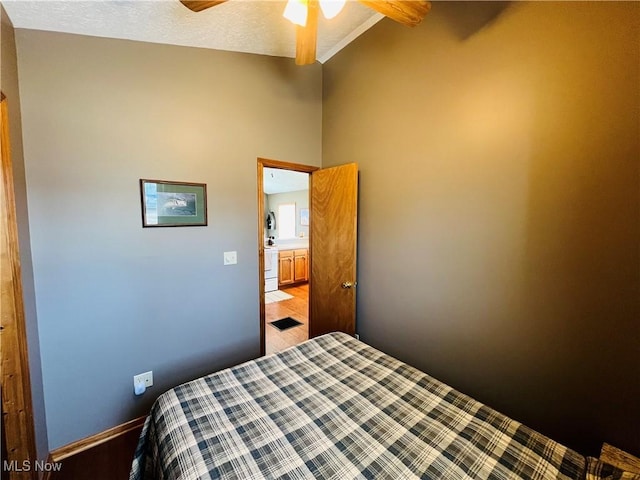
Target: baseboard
92,441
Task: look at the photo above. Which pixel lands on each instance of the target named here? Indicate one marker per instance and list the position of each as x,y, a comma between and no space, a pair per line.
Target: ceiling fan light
296,12
331,8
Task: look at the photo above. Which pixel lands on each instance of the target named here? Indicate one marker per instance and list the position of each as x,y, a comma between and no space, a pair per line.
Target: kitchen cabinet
285,267
300,265
293,266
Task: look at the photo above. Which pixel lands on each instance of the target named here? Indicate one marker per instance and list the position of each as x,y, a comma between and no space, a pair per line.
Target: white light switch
230,258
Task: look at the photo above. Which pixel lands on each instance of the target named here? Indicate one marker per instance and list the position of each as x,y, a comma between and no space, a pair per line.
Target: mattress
336,408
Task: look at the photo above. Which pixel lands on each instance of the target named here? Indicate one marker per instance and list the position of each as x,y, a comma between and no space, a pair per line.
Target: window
287,220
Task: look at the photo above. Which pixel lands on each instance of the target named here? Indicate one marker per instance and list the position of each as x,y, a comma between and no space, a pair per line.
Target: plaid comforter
336,408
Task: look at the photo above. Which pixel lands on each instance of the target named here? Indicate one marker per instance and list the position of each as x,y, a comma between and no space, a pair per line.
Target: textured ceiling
250,26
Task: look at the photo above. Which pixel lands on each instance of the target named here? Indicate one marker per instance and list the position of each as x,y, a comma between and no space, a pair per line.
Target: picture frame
304,216
173,204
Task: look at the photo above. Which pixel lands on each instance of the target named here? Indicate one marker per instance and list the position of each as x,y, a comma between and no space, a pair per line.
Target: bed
336,408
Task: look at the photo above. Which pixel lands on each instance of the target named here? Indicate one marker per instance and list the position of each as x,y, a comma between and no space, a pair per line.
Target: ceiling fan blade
306,36
199,5
407,12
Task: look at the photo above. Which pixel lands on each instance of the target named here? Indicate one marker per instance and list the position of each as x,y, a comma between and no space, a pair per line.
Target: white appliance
270,269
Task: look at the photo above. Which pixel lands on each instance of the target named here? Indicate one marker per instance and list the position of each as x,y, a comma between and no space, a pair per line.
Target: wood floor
296,308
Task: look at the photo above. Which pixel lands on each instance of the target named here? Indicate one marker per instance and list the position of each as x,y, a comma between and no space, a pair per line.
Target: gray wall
499,157
115,299
9,86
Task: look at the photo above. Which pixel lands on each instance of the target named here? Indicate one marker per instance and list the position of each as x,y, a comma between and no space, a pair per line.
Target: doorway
284,254
332,254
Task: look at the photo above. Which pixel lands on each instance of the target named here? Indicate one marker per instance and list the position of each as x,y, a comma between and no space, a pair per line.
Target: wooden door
333,236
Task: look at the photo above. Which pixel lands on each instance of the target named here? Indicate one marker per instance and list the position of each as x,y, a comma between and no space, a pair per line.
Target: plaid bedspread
336,408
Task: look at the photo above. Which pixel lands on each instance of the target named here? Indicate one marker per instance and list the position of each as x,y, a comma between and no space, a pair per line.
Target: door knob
347,285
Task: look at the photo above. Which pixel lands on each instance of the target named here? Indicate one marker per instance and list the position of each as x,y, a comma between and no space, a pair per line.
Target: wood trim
83,444
261,274
619,458
297,167
266,162
17,406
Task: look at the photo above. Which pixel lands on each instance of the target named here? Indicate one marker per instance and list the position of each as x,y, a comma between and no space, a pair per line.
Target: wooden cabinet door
285,270
300,268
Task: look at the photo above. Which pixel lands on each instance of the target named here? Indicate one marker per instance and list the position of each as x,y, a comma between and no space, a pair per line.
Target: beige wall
499,157
115,299
9,86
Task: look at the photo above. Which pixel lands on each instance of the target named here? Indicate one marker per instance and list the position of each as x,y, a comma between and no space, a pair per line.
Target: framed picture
173,204
304,216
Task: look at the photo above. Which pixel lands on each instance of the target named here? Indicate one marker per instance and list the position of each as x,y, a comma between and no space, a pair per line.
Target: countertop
289,246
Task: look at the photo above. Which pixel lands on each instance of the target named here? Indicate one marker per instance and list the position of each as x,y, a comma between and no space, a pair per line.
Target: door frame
17,408
296,167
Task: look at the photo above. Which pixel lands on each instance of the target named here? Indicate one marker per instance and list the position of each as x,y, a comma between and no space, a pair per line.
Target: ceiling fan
304,13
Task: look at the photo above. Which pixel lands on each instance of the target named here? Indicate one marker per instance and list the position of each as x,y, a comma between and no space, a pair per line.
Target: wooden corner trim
17,405
83,444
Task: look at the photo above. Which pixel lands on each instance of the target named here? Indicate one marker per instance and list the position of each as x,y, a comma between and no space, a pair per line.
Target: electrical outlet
230,258
146,377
